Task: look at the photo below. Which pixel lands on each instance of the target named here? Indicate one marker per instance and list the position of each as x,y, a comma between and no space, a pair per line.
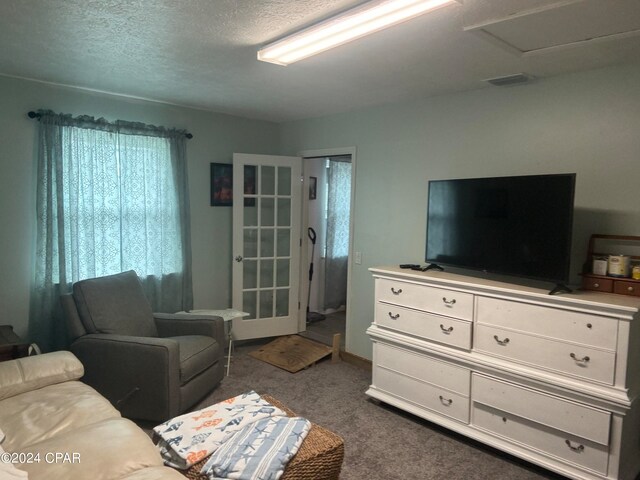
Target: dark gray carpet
380,442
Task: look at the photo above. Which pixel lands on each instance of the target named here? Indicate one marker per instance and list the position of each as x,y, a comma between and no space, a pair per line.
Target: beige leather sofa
60,428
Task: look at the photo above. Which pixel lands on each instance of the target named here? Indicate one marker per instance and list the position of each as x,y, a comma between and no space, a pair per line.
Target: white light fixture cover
355,23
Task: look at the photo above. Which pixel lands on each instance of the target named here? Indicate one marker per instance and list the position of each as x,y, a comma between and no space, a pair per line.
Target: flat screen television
518,226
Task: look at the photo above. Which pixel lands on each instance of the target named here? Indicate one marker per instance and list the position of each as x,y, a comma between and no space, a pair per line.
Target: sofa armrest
31,373
136,374
178,324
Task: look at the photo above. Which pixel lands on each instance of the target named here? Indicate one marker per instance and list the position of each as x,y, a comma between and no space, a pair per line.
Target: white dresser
551,379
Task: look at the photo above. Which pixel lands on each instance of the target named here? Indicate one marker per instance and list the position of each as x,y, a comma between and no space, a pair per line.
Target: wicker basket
319,457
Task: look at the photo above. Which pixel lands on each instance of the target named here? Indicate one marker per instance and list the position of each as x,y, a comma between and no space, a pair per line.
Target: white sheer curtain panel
338,216
110,197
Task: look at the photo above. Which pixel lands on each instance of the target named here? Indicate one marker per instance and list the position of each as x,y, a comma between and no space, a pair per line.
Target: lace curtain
110,197
338,212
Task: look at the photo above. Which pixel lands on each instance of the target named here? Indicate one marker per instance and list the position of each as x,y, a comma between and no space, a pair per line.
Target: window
119,205
338,208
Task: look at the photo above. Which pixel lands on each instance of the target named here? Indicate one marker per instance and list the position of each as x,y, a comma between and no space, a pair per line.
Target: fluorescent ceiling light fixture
352,24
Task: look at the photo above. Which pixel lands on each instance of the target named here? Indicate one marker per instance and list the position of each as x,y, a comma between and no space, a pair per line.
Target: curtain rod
33,114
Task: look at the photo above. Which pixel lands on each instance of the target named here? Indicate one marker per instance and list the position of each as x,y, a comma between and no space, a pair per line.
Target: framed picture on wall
313,187
221,184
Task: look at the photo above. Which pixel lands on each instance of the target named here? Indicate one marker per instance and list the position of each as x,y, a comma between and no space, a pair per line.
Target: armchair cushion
197,353
115,304
176,324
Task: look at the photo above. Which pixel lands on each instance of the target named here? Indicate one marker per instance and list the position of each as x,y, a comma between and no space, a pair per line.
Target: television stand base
560,288
433,266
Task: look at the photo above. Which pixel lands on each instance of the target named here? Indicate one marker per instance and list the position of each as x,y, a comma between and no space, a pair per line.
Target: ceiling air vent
515,79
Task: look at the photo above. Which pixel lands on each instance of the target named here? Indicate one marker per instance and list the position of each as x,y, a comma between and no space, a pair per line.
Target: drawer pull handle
396,292
596,285
589,325
584,359
446,330
501,342
448,302
578,449
630,289
394,317
446,401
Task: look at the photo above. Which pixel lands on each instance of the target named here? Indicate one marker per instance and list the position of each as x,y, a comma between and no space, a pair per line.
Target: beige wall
587,123
216,138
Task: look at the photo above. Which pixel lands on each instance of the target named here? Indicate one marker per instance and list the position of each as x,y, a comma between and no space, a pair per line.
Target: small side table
228,314
11,345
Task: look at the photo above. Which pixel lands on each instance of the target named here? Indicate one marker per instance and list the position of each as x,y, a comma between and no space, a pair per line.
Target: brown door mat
292,353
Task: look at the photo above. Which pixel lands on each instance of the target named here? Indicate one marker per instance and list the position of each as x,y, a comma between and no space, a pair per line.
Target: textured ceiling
202,53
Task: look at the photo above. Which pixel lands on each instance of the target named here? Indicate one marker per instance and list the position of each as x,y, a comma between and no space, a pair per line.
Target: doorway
327,212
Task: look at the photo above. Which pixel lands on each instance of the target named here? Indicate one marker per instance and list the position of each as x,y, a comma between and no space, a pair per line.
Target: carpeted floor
380,442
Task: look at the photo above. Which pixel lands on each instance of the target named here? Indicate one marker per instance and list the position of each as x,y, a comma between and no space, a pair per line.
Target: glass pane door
266,244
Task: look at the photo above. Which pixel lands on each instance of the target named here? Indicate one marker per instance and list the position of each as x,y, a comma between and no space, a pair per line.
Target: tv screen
519,226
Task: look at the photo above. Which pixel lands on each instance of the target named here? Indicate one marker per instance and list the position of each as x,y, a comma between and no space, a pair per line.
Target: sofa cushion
30,373
130,314
8,470
106,450
41,414
197,353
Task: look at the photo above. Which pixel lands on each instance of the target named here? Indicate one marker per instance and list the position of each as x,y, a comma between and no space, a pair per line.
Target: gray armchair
150,366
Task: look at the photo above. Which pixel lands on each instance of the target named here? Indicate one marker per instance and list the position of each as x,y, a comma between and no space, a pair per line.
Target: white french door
267,194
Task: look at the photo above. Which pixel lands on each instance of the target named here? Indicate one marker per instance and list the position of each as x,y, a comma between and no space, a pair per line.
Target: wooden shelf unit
605,283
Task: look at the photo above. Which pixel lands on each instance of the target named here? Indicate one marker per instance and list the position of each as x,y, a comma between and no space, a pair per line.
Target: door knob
239,258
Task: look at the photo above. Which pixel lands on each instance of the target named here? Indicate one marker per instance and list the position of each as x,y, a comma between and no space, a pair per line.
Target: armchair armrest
31,373
177,324
129,369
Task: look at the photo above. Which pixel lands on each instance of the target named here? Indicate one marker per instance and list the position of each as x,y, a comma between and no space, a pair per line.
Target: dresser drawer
426,395
421,367
421,297
593,330
579,361
626,288
447,330
541,438
574,418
